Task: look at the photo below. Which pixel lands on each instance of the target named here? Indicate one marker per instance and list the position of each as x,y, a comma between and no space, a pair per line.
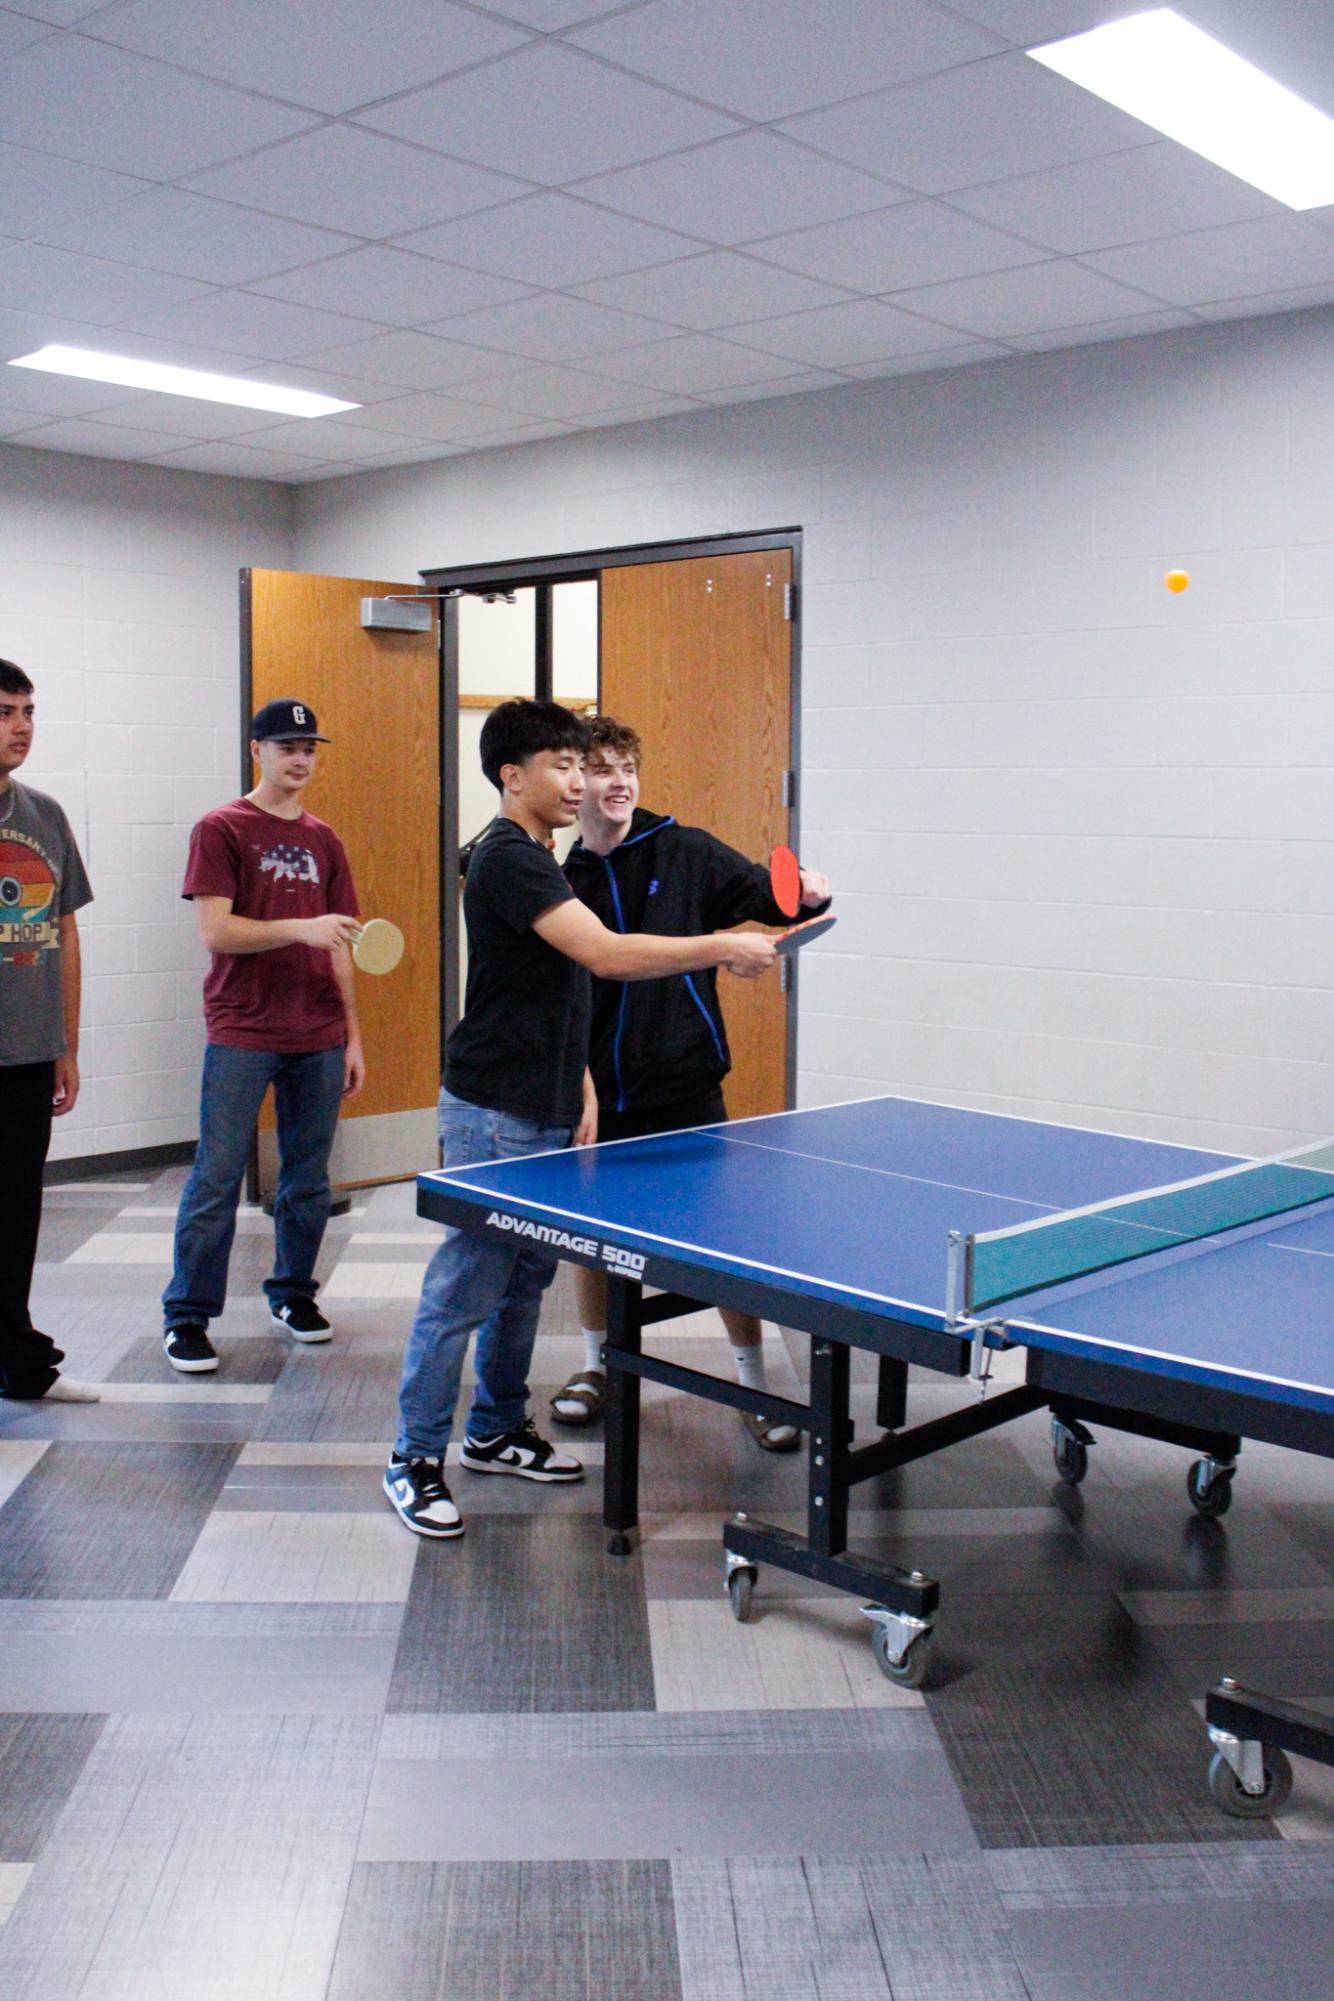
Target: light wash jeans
472,1282
307,1095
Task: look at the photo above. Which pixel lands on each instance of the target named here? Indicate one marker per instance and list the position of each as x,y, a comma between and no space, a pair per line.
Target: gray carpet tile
40,1761
196,1856
729,1733
594,1808
878,1928
477,1931
67,1226
1148,1540
1065,1728
151,1619
1223,1952
243,1674
347,1389
168,1422
260,1359
1162,1873
524,1613
1312,1525
108,1521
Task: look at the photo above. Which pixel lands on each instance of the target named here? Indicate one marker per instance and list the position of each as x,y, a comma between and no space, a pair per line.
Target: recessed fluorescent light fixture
1160,68
196,382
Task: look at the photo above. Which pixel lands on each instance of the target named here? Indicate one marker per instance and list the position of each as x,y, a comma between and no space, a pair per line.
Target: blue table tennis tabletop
854,1204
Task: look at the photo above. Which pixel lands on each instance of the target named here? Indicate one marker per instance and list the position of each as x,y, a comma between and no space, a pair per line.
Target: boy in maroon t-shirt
273,894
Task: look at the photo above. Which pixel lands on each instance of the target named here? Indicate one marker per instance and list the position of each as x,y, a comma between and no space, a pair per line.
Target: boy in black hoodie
658,1051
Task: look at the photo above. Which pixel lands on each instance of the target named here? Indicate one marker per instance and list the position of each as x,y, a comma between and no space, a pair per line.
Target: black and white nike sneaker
188,1348
523,1452
416,1490
303,1320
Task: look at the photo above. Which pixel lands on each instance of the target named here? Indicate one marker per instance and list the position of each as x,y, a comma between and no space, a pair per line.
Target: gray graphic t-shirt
42,879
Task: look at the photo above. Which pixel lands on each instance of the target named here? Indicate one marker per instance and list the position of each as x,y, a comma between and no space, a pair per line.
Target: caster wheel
1210,1497
1071,1456
912,1670
741,1592
1231,1795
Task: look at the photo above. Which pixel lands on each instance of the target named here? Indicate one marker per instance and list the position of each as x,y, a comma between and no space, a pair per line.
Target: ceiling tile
986,122
556,237
39,192
640,413
328,57
552,392
17,33
185,416
1035,300
838,336
1124,198
917,243
785,385
38,279
344,178
236,461
549,114
692,364
61,13
547,16
325,381
713,290
734,189
412,360
13,423
327,438
102,441
118,110
1030,21
169,230
1266,302
1278,253
441,417
54,395
927,364
769,58
549,327
392,286
1130,329
267,329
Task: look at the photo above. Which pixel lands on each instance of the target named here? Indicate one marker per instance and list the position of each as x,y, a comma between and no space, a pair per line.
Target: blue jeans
472,1282
307,1094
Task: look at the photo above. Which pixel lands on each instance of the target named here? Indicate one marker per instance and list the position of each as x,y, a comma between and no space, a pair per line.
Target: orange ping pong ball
1177,580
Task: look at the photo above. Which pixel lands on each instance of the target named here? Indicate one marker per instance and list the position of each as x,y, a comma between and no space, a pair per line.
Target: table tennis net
1001,1265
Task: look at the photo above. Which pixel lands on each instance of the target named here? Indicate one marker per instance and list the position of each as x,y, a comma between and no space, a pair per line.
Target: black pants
28,1360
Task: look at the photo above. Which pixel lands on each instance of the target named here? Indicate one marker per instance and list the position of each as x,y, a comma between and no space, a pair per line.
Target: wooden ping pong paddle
803,934
785,881
378,946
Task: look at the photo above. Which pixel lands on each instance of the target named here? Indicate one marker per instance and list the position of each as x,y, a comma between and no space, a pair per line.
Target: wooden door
377,695
697,656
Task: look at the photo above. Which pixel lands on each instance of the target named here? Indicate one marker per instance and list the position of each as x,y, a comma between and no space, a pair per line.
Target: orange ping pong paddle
785,881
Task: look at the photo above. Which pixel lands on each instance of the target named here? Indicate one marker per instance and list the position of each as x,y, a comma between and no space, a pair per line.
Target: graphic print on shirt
27,902
289,863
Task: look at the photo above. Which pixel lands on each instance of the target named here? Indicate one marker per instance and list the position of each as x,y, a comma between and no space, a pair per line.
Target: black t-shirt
522,1045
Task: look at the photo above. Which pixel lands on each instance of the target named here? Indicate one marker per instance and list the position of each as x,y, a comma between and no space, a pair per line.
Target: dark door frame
449,583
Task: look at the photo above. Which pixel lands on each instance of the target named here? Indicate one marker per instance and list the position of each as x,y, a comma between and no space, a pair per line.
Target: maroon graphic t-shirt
286,1000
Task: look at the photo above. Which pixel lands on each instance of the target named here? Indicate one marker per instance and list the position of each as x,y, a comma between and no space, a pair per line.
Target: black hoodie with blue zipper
655,1042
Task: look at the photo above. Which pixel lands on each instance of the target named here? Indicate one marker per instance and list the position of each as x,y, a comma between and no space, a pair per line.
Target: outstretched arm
572,928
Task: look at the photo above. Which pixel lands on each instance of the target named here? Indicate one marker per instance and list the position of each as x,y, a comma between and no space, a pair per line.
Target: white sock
593,1340
750,1372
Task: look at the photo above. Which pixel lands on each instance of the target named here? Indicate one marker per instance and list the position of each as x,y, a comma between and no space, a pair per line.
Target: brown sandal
588,1389
771,1437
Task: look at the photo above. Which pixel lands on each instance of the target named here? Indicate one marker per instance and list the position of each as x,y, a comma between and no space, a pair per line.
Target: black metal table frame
1078,1391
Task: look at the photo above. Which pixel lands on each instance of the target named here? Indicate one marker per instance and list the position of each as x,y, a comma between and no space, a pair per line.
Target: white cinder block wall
1082,830
118,595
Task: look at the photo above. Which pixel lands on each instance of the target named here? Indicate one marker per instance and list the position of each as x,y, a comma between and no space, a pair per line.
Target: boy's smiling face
548,786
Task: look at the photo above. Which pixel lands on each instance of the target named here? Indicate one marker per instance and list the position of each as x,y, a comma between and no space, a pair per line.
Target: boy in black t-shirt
516,1082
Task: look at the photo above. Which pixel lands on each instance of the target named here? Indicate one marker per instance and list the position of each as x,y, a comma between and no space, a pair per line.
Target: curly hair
606,734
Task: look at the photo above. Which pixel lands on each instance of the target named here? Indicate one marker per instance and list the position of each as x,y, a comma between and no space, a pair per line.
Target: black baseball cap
286,721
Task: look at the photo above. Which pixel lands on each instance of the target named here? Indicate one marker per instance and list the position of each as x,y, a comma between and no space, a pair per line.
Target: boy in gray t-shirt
42,884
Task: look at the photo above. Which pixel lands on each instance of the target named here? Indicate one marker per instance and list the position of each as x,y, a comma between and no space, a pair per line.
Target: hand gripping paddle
803,934
378,946
785,881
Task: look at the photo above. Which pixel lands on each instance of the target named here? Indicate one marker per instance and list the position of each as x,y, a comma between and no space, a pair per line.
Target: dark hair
13,680
518,730
618,739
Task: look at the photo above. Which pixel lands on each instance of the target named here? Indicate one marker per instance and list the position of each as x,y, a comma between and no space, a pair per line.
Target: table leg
827,1514
891,1398
620,1488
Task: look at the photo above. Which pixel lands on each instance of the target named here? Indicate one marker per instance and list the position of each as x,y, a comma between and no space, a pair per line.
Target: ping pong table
1197,1313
